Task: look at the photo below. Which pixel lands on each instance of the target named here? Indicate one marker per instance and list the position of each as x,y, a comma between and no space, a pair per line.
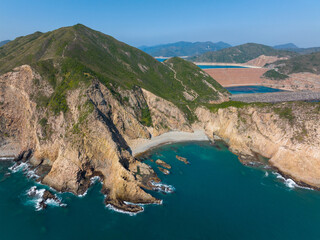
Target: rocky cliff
287,134
73,111
90,139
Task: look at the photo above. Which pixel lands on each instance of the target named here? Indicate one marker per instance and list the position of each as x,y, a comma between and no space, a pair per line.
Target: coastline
225,64
139,146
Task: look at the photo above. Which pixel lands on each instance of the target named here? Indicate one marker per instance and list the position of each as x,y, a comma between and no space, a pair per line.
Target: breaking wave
289,182
161,187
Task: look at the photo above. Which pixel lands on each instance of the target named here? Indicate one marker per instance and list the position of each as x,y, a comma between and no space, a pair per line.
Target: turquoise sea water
215,197
252,89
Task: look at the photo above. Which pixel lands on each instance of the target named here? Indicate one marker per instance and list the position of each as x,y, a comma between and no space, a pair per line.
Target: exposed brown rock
182,159
164,171
163,164
292,144
263,60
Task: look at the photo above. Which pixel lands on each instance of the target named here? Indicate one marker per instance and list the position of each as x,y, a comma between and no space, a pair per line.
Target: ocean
215,197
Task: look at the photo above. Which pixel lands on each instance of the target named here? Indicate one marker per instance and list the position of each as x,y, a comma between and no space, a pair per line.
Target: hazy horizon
152,23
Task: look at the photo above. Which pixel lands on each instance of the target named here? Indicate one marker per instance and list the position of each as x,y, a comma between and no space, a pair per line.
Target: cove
215,197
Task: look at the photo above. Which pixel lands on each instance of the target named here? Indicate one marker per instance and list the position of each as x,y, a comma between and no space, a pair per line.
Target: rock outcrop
89,140
287,134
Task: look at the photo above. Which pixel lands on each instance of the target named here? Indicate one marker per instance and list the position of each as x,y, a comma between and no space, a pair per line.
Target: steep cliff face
77,98
287,134
87,141
75,111
90,139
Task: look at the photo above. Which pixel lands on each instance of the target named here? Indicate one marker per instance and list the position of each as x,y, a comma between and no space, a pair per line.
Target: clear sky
150,22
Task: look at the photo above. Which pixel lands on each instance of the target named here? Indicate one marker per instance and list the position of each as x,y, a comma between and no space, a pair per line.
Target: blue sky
150,22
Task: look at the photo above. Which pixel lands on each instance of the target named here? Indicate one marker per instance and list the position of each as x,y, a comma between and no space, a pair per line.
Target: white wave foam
109,206
161,187
36,195
32,174
83,195
55,202
289,182
6,158
95,179
17,167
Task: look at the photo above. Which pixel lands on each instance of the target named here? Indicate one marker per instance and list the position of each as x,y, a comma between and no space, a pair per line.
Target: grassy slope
68,56
192,77
302,63
274,75
240,54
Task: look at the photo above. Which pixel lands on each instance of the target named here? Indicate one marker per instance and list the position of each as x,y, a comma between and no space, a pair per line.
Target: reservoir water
215,197
252,89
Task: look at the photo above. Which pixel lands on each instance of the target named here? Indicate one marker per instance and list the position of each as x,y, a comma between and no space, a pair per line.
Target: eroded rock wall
292,143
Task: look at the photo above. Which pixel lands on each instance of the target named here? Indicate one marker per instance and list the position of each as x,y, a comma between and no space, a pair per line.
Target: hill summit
73,101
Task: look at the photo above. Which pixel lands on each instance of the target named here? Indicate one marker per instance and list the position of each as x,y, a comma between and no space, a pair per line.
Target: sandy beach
142,145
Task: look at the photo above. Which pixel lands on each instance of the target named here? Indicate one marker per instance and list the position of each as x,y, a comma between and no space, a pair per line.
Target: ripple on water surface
214,197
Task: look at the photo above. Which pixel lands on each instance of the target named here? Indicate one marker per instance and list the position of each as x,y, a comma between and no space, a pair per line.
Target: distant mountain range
183,48
4,42
241,54
293,48
300,63
286,46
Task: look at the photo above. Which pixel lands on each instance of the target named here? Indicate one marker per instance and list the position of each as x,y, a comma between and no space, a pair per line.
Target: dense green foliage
183,48
274,75
284,112
69,56
146,117
240,54
302,63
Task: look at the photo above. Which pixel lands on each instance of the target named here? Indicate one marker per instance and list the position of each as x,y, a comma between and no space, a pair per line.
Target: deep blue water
216,197
251,89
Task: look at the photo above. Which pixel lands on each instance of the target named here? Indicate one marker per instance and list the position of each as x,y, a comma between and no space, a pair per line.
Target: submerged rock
163,164
182,159
164,171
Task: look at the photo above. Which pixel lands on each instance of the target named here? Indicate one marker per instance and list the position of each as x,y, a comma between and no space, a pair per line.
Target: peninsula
76,103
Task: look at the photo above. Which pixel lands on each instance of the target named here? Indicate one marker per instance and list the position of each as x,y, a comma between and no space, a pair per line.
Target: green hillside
70,55
183,48
241,54
302,63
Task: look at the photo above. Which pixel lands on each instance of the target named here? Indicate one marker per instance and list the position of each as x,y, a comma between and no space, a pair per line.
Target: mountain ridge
183,48
240,54
72,100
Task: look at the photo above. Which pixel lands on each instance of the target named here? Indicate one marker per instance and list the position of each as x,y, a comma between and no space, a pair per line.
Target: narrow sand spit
143,145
